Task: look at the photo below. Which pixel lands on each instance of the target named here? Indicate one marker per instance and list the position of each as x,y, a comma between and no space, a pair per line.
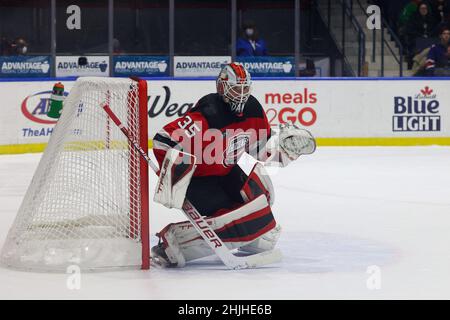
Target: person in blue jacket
438,56
249,44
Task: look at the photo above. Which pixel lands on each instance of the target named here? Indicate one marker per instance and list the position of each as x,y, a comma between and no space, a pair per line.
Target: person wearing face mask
249,44
19,47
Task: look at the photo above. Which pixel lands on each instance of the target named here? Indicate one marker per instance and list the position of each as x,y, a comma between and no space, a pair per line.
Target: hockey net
87,203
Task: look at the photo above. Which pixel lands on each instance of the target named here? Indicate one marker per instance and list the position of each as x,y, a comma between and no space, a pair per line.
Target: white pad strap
176,172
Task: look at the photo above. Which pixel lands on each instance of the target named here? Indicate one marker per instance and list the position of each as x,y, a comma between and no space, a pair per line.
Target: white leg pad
184,240
173,249
265,242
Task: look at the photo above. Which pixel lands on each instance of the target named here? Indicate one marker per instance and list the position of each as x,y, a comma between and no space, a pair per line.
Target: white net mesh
83,205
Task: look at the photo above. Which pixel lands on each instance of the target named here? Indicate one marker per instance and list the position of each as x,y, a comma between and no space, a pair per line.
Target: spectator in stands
438,54
20,47
423,24
443,70
17,47
406,16
249,44
441,10
419,31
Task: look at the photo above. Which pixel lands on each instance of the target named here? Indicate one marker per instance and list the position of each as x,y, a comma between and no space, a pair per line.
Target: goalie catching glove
289,144
175,175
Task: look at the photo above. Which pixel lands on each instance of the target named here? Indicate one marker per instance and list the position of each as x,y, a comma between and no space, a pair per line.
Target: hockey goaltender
198,156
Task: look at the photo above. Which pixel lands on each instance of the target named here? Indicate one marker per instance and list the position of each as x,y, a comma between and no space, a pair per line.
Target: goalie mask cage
87,203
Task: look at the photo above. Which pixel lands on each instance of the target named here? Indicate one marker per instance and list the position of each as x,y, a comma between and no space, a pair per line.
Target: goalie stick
215,243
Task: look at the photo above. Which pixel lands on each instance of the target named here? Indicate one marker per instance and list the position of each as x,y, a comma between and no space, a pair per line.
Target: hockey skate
159,258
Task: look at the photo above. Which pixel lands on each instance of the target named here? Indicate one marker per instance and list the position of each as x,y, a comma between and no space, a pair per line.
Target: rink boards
338,111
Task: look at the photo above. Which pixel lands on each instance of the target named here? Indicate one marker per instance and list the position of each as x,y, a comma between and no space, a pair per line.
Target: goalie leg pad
258,182
167,253
237,228
264,243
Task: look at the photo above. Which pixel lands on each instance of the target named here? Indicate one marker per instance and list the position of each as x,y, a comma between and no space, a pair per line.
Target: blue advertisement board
269,66
24,66
145,66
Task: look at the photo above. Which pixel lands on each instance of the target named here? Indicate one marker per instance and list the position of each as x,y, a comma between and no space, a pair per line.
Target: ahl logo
417,113
35,107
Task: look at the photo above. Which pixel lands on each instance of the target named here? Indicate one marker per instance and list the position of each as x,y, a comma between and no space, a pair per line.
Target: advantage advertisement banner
269,66
194,66
143,66
69,66
25,66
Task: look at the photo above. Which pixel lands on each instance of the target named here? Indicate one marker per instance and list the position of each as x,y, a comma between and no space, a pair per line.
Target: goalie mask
234,85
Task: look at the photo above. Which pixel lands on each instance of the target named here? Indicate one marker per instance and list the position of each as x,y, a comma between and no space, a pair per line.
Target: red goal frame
141,172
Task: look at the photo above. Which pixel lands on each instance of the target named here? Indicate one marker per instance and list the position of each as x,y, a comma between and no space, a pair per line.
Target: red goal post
143,142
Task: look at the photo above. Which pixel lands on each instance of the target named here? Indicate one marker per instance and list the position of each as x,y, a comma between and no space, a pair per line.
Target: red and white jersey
215,135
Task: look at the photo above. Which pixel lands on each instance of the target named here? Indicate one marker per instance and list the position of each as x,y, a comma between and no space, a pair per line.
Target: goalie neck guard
234,85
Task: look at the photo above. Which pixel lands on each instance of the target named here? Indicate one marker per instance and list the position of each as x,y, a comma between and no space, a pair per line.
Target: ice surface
342,210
